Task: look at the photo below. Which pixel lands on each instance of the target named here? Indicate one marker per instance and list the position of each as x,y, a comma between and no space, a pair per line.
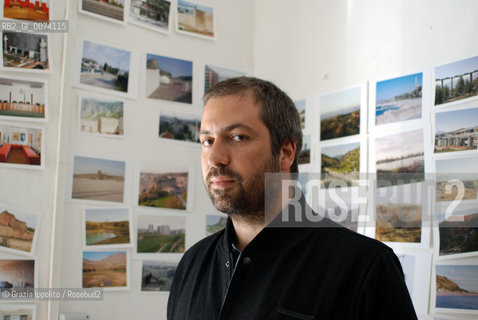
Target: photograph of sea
456,130
340,114
457,287
463,169
399,99
456,81
98,179
341,163
459,234
400,158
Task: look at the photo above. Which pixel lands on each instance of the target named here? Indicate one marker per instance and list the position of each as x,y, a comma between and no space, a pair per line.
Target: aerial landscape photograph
399,99
163,190
341,163
179,126
340,114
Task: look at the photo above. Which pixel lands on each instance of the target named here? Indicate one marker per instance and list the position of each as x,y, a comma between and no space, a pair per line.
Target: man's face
236,152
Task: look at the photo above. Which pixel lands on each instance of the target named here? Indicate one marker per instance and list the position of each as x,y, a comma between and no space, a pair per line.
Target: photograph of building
20,145
22,98
102,117
196,19
25,50
213,75
181,127
37,10
151,13
163,234
163,190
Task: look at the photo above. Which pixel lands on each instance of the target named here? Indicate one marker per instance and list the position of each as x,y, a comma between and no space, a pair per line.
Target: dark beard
247,200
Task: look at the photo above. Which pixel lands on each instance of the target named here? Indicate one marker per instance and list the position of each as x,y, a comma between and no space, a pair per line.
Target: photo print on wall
21,146
105,269
107,227
160,234
157,276
195,19
101,116
154,15
36,10
25,51
110,10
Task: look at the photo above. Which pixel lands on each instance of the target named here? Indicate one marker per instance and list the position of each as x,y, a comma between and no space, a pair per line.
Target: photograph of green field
398,223
157,275
400,158
17,229
459,234
163,190
104,269
107,227
215,223
341,163
456,130
340,114
160,234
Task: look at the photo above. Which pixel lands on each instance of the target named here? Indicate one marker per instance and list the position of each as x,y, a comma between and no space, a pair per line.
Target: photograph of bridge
456,81
456,130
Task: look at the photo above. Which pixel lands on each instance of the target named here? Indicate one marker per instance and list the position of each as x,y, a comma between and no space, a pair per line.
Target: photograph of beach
21,145
104,269
340,163
400,158
399,99
456,130
101,117
340,114
169,78
463,169
457,287
107,227
152,14
98,179
213,75
17,273
22,99
456,81
163,190
215,223
112,9
179,126
105,67
459,234
17,229
157,276
195,19
160,234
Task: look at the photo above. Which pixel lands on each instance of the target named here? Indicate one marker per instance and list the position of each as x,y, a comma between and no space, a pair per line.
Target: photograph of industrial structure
456,130
22,99
25,51
456,81
37,10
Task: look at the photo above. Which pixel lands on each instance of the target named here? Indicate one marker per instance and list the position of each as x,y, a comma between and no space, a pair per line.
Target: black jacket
327,272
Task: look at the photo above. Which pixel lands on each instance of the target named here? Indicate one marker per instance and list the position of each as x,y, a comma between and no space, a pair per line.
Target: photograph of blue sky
84,165
300,105
454,120
116,58
177,67
397,145
99,255
195,5
456,68
389,89
465,276
106,215
339,103
340,150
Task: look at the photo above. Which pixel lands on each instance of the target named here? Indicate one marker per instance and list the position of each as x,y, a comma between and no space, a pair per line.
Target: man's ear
287,155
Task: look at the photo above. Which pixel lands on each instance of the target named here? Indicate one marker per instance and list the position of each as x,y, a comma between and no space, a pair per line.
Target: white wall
141,146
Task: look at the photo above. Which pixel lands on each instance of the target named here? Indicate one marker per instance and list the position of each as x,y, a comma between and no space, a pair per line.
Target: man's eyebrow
229,128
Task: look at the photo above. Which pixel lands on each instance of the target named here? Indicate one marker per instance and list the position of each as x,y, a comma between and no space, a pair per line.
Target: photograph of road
399,99
105,67
98,179
456,130
340,114
456,81
160,234
113,9
341,163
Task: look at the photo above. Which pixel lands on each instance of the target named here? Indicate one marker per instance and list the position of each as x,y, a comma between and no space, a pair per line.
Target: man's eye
206,142
238,137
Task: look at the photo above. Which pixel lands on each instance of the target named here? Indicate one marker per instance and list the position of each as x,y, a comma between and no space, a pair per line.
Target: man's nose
218,154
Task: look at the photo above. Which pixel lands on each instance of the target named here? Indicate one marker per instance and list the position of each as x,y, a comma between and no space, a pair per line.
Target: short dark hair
278,112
